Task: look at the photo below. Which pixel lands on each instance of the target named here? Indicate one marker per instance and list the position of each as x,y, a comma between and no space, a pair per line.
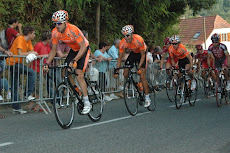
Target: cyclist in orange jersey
80,51
184,58
137,47
168,64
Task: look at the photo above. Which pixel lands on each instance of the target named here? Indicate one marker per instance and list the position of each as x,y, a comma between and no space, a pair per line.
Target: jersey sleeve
121,46
210,49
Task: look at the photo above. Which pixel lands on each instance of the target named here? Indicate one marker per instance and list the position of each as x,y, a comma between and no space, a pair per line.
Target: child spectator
43,49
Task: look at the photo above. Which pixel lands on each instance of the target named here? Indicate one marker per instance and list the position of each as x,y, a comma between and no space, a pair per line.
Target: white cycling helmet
128,29
175,39
60,16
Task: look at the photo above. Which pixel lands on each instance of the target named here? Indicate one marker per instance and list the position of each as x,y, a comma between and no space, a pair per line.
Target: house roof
189,27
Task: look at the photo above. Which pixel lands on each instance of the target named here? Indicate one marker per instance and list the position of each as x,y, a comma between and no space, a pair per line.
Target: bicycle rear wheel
95,98
131,97
170,89
192,94
219,95
152,96
179,96
64,105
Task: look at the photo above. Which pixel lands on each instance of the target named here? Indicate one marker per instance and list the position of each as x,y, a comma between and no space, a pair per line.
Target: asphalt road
203,128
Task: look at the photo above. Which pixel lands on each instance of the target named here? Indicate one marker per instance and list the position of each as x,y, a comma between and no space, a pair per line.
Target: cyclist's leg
81,67
168,66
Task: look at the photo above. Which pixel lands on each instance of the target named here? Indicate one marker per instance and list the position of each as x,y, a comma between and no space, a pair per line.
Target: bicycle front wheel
95,98
152,96
64,105
179,95
219,95
170,89
192,95
131,97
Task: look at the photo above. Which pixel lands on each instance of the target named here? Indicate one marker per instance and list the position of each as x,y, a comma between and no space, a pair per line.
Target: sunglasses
174,43
127,35
59,23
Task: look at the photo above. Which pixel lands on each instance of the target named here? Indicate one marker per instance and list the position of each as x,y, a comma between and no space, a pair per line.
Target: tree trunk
98,24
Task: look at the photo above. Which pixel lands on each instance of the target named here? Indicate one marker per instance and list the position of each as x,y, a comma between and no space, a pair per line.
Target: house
200,29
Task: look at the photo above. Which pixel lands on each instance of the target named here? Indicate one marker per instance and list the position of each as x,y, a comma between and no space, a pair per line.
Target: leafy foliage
152,19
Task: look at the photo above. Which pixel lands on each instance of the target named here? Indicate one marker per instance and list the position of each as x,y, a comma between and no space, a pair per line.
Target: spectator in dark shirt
11,32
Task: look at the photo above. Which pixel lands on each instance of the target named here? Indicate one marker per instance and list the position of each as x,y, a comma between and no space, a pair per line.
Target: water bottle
140,86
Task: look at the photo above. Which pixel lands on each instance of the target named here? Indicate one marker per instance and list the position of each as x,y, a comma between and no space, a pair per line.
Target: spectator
157,60
157,54
102,66
5,86
11,32
113,52
22,46
43,49
150,54
2,64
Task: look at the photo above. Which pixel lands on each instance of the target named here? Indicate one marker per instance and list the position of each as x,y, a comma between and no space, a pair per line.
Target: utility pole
204,33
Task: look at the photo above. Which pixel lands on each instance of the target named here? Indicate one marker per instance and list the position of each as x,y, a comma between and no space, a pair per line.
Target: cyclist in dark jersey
221,57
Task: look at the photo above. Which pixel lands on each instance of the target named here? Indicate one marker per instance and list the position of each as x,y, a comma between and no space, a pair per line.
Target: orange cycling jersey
135,46
180,53
71,37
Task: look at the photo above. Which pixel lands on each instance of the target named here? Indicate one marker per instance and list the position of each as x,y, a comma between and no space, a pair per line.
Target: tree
152,19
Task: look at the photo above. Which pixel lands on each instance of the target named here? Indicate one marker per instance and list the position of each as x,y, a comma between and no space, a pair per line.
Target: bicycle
183,90
171,84
220,89
66,97
133,95
208,83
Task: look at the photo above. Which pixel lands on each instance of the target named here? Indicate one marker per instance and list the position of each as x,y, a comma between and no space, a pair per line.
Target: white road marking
5,144
184,103
109,121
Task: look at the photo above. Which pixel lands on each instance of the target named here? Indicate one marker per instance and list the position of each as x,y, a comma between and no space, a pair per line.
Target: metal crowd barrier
45,83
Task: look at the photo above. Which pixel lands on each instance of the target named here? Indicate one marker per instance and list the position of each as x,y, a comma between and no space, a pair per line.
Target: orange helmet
128,29
60,16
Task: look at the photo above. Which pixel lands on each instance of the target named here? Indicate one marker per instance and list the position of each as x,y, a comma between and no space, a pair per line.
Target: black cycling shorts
219,62
82,62
183,62
135,58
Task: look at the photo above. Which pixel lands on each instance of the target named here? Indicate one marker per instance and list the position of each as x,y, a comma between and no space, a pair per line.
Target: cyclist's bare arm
228,58
142,58
190,60
82,50
208,59
162,61
52,53
120,58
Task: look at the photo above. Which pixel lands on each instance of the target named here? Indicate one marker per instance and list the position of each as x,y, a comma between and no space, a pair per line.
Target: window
224,37
196,35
